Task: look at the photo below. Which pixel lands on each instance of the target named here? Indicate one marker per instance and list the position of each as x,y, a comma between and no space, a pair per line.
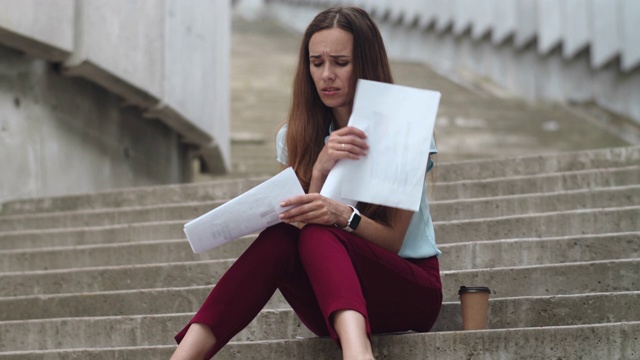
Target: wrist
318,174
343,217
351,220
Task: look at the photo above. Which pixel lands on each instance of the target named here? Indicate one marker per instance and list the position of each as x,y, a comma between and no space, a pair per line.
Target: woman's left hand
315,209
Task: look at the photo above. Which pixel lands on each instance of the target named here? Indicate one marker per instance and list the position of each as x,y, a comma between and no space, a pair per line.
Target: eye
317,65
339,63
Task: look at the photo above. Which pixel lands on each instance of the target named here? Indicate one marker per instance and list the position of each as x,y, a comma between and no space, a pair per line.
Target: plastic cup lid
474,289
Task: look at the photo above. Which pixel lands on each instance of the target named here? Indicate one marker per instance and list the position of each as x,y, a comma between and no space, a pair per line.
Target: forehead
334,41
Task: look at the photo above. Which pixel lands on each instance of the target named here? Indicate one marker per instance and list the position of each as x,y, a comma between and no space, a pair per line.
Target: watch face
355,221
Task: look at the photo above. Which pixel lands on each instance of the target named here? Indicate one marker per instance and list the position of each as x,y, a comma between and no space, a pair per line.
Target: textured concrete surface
116,40
470,179
468,209
60,135
612,341
275,324
457,256
562,265
535,49
142,196
472,124
535,184
114,303
537,280
615,341
41,28
562,223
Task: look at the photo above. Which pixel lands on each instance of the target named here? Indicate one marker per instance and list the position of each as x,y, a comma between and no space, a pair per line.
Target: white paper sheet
253,211
399,123
332,187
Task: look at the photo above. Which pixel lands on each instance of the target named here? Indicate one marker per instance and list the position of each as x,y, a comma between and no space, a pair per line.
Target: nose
327,73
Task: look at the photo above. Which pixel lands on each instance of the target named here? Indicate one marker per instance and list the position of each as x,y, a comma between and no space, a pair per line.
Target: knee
278,240
313,232
313,237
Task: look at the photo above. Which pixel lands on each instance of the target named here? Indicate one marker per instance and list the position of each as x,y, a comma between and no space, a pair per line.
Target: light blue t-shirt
420,239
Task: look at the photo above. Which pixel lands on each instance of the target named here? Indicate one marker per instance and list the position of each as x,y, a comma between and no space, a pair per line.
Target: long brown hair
309,118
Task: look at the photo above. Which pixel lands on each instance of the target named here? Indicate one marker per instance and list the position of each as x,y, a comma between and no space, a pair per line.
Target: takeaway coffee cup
474,301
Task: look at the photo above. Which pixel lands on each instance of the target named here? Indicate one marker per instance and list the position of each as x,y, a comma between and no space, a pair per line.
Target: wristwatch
354,220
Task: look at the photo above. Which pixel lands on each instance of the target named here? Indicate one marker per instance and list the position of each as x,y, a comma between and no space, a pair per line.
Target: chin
332,103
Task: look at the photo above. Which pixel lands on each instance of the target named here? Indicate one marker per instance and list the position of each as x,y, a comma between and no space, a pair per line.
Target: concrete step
540,164
614,341
536,184
105,217
179,300
499,206
441,210
141,196
284,324
603,160
570,278
457,256
154,206
148,252
539,251
113,303
567,223
132,331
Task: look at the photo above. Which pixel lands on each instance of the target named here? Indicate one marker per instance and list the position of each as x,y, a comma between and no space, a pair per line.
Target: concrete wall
60,135
172,62
562,50
42,28
147,59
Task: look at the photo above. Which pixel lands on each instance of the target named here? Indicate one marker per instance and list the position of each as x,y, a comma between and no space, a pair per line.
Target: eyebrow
333,56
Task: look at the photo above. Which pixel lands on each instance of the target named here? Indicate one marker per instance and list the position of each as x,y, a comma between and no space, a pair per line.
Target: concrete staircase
556,237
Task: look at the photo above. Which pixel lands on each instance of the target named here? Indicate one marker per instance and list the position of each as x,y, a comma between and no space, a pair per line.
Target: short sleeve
281,146
432,148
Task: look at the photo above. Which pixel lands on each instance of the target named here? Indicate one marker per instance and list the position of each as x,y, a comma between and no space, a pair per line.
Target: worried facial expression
331,66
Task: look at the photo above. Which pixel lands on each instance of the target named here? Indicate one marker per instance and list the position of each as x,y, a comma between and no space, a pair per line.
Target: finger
357,142
299,214
352,148
301,199
297,200
350,130
313,202
317,216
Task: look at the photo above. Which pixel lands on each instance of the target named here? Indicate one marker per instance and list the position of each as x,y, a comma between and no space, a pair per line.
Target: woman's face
331,66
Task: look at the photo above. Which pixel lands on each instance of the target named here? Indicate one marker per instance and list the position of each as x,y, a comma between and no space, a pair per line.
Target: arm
317,209
388,237
345,143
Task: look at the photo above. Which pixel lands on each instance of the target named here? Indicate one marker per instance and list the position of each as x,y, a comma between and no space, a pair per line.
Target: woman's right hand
345,143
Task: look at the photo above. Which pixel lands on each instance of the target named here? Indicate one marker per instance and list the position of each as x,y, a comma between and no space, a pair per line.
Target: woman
348,272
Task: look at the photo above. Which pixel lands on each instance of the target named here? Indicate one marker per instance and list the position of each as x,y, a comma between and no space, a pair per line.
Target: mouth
330,90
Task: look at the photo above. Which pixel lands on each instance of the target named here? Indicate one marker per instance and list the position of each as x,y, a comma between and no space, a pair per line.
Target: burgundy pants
319,270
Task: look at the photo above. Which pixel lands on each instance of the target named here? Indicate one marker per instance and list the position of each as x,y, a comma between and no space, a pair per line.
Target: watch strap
354,220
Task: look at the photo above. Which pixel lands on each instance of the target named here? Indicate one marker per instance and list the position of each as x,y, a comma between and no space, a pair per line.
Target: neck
341,115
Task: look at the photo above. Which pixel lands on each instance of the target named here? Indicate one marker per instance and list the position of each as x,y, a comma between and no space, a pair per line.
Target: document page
253,211
399,123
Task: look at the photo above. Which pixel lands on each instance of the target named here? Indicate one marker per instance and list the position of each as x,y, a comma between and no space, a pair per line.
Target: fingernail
283,204
281,216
